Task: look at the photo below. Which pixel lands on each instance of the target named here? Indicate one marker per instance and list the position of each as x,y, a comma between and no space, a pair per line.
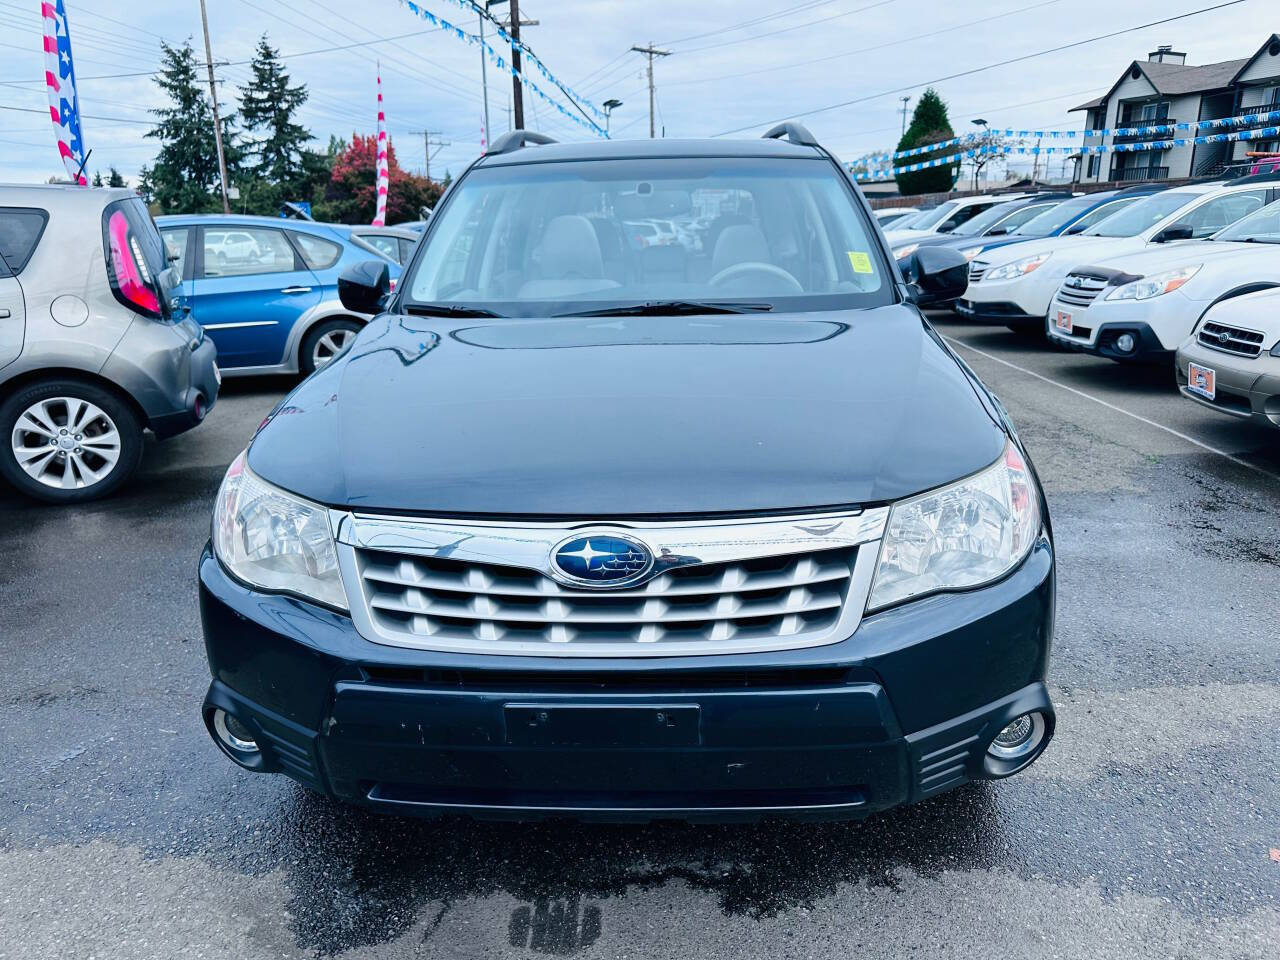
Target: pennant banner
1246,120
384,179
502,64
60,78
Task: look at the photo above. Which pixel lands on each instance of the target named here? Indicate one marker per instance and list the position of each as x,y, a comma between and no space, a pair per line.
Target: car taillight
129,274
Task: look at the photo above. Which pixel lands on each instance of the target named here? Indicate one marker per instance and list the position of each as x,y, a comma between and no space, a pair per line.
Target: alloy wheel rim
330,345
65,443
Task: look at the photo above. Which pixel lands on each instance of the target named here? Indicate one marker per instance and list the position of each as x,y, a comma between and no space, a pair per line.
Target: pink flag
384,177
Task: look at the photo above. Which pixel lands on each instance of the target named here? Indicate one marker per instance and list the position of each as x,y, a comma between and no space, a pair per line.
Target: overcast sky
719,76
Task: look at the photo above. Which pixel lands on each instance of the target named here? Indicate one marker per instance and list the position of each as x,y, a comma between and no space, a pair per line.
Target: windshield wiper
448,310
669,308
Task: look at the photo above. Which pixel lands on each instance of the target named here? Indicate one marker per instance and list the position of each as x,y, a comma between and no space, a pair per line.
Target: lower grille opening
605,681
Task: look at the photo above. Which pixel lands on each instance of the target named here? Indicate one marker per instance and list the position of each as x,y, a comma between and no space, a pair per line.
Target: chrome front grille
1219,336
762,599
977,270
1080,291
718,587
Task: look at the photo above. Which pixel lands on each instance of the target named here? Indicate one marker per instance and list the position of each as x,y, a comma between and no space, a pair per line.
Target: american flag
379,218
60,77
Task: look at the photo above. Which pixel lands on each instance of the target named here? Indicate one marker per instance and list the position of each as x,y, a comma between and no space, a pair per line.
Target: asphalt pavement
1151,827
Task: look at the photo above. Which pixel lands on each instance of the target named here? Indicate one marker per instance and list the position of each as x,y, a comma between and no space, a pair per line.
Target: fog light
1125,343
1019,738
233,733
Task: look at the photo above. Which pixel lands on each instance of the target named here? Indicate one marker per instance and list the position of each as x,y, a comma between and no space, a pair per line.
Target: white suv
1145,304
1015,286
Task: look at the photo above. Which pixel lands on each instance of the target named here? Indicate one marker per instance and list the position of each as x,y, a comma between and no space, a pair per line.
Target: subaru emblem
601,560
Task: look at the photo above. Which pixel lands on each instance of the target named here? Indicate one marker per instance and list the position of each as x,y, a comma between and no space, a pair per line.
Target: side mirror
938,274
997,231
1179,231
364,287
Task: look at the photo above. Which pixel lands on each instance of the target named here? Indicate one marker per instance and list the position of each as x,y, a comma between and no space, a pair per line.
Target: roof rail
517,139
794,132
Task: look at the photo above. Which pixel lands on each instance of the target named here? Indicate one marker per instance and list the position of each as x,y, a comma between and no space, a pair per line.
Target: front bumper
902,710
1246,388
1002,312
1157,325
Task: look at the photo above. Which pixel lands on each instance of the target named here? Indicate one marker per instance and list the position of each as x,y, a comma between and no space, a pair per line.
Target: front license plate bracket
590,725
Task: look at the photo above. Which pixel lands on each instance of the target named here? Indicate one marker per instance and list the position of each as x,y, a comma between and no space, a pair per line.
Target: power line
879,46
798,26
989,66
750,23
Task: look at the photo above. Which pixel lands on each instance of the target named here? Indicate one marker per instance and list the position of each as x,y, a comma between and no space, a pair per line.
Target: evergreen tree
277,148
97,178
929,124
184,177
113,178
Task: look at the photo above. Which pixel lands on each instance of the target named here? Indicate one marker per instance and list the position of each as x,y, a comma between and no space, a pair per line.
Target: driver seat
740,243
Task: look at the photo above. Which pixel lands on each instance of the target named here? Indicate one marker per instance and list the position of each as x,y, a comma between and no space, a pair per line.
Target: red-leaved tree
351,194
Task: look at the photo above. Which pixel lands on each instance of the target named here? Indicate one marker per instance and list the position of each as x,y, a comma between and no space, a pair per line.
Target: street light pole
213,97
609,106
517,91
484,75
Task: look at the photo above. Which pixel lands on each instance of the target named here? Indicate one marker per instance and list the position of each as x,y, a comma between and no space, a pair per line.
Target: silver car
94,348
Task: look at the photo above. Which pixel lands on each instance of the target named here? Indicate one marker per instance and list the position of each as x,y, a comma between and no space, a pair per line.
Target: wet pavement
1147,830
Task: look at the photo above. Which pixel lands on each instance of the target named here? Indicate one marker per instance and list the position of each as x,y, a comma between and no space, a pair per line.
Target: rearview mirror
1178,231
937,274
365,286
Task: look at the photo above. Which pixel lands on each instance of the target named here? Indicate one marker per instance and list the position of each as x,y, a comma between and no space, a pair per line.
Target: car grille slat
977,270
426,597
1079,290
1228,339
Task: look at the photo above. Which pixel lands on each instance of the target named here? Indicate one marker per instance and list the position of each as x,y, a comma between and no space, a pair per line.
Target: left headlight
962,535
906,250
274,540
970,252
1019,268
1156,285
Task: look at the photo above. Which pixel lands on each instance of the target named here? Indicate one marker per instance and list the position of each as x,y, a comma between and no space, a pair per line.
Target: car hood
898,237
1254,311
1160,257
631,416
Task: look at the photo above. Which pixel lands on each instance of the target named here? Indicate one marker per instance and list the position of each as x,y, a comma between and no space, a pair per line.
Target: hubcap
66,442
330,345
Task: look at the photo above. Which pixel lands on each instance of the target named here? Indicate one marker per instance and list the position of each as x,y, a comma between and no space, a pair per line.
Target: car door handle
4,313
296,290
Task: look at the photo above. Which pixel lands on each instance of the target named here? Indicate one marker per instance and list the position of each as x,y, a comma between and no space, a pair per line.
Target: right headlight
1019,268
962,535
273,540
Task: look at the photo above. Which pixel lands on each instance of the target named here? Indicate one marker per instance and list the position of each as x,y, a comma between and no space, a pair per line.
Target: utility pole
484,74
427,144
905,101
517,89
217,123
651,51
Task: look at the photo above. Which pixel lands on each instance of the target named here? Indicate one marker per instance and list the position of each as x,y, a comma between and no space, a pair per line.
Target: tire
324,341
106,456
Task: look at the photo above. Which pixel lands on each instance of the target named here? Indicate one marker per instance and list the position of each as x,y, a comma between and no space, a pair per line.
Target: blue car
1072,216
580,529
265,290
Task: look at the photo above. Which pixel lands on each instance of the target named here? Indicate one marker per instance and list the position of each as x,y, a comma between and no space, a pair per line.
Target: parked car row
1140,275
111,326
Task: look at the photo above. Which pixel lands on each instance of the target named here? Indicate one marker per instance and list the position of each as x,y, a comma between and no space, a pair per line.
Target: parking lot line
1111,406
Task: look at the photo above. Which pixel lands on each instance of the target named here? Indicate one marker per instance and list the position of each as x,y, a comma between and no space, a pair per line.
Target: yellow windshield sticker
860,262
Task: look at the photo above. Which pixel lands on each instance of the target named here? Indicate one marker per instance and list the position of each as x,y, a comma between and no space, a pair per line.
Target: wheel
325,341
68,441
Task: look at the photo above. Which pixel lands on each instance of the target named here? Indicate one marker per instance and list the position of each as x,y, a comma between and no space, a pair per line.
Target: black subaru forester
649,493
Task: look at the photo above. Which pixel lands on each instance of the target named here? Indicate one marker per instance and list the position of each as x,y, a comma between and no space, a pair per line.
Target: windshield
1134,219
1260,227
537,239
1049,222
987,218
931,218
